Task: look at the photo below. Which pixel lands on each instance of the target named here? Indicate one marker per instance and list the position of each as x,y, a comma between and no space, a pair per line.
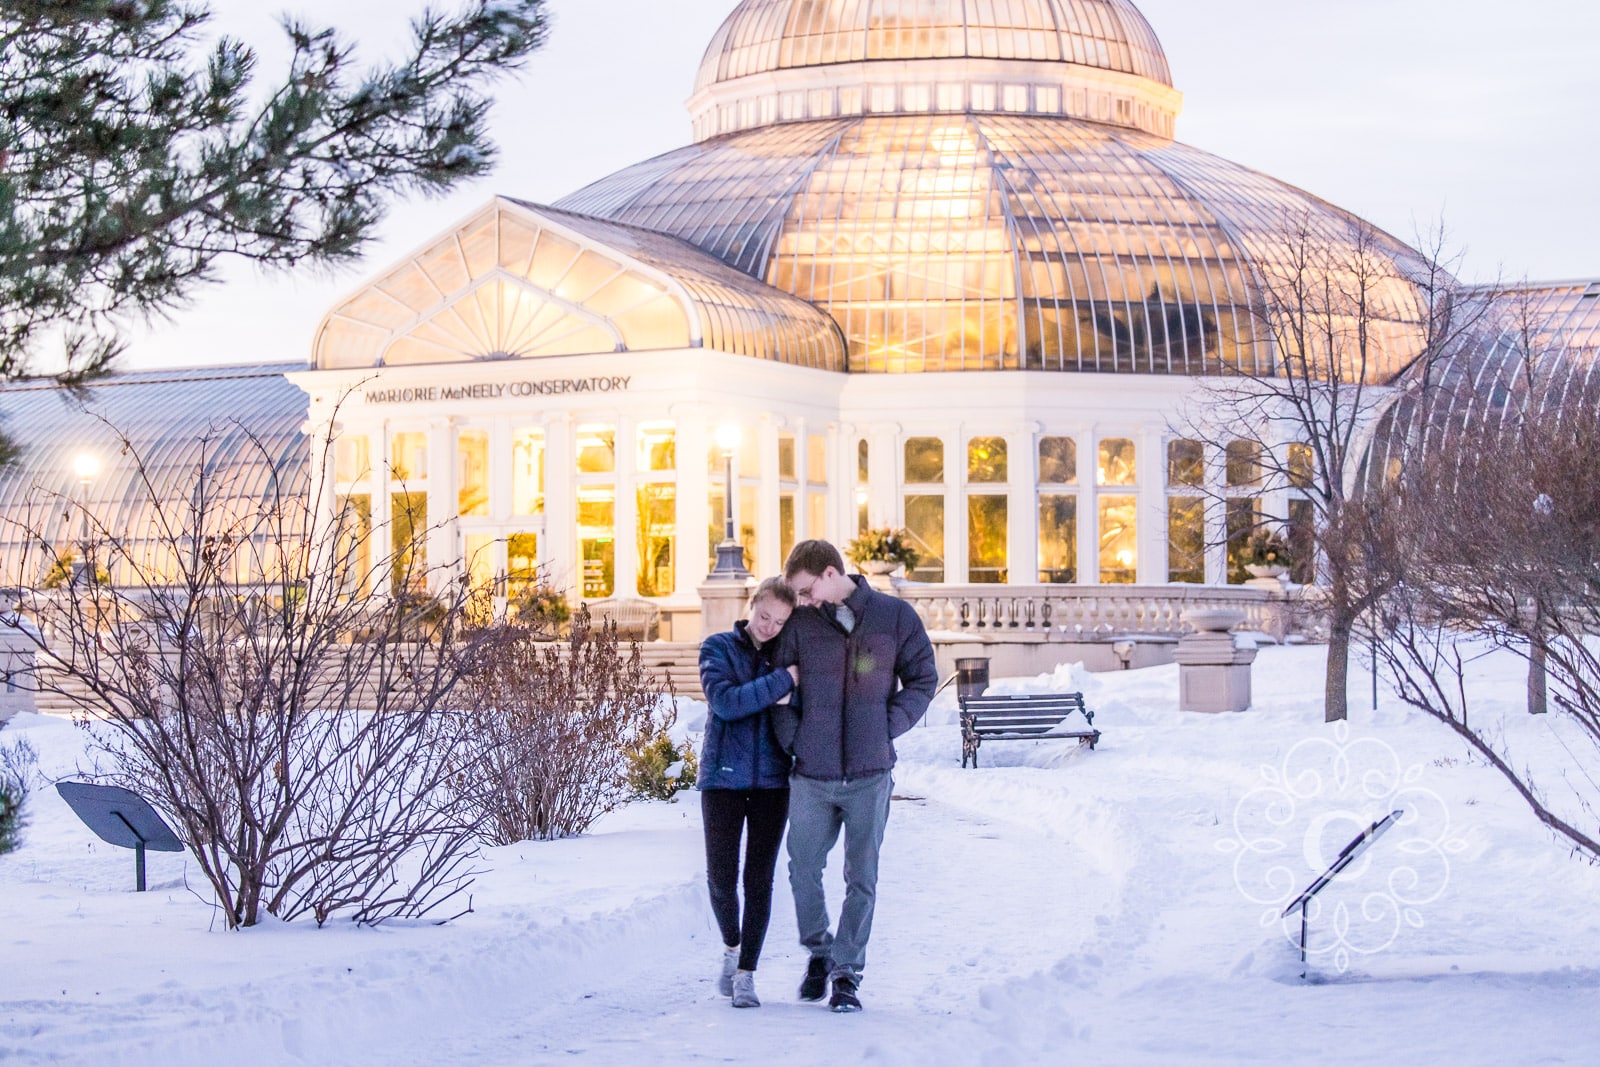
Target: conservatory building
939,266
942,266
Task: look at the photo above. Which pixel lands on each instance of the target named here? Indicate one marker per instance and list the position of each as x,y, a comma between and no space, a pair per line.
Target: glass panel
527,471
1058,538
522,563
716,526
1119,542
352,458
408,555
472,472
986,538
1302,541
785,524
986,459
597,508
478,553
1186,539
747,528
657,531
1058,461
1301,467
597,449
657,447
817,460
408,457
816,515
1244,463
1117,462
924,460
925,523
355,543
1242,520
786,455
1186,463
861,461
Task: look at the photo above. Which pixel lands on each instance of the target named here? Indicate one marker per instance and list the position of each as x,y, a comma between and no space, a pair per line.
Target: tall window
924,505
408,457
1302,514
354,538
1243,480
1186,512
861,486
656,509
527,471
816,486
352,458
408,549
597,510
987,527
1058,510
472,473
788,489
1119,512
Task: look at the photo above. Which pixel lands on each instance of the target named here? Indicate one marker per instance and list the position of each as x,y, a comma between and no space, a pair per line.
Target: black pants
726,812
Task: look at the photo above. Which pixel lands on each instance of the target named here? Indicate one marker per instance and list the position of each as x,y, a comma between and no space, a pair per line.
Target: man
866,674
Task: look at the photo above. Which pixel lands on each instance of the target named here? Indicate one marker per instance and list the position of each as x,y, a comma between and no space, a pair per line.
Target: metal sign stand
1347,856
121,817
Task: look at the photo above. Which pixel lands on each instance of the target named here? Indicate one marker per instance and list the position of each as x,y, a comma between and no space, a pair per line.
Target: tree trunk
1336,696
1536,678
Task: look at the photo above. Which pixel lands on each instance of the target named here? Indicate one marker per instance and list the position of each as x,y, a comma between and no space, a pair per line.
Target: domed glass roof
767,35
798,60
989,242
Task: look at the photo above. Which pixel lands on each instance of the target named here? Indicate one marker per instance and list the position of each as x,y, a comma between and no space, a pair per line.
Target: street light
85,466
730,554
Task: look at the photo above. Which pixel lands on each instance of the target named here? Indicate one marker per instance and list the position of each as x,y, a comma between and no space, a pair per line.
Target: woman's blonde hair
777,589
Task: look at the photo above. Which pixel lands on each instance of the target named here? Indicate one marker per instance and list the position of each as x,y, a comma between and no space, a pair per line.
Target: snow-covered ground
1058,905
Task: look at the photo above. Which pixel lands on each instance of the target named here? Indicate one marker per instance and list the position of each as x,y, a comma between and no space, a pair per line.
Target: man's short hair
812,557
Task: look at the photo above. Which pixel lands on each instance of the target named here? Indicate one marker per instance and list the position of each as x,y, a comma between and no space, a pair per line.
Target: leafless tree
558,720
1350,316
214,669
1496,547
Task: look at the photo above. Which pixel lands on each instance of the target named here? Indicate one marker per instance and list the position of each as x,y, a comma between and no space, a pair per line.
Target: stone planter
1262,570
877,566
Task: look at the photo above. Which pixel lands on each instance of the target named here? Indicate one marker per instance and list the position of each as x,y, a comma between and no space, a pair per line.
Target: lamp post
730,554
85,466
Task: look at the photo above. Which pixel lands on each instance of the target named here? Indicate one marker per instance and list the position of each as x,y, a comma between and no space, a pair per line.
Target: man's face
814,589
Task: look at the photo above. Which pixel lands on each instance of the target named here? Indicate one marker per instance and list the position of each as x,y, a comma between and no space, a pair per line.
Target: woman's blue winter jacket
740,686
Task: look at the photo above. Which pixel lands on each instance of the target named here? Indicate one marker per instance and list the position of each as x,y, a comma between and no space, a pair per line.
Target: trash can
972,677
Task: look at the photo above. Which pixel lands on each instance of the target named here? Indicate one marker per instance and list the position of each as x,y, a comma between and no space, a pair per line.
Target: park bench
1021,717
637,620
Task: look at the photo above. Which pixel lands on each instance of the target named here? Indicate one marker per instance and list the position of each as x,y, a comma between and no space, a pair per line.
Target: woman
744,781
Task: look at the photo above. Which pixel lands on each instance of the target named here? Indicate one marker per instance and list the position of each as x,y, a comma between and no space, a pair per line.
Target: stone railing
1087,612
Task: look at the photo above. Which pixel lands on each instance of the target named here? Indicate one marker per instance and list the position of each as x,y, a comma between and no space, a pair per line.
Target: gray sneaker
744,990
730,963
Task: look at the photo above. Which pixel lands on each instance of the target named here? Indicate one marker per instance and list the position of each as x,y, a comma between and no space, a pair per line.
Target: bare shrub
215,672
557,720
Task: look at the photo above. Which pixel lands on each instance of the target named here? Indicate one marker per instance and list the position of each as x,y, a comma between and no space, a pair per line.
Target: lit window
1058,538
924,460
916,98
786,467
1119,541
986,538
1301,466
986,459
1116,462
817,459
1015,98
983,97
1244,463
472,472
352,458
1186,465
657,447
527,471
925,524
1058,461
597,449
657,533
408,457
951,97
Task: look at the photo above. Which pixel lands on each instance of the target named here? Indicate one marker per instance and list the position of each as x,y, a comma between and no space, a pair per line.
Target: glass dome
953,242
796,60
767,35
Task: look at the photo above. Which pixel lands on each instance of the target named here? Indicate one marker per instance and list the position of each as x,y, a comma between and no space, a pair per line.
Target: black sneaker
844,994
815,983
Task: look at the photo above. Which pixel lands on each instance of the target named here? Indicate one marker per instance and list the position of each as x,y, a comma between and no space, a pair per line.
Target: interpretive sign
1346,856
121,817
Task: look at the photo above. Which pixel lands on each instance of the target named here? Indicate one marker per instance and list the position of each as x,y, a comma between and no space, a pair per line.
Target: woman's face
767,616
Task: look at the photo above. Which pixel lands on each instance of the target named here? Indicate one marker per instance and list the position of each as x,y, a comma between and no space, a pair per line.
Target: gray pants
817,811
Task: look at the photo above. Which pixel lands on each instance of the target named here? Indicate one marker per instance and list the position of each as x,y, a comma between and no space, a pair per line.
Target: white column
443,539
768,558
1152,510
561,506
884,506
1088,506
1022,469
626,548
694,447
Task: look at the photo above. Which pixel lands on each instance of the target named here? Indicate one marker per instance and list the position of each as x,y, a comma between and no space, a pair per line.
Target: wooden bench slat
1021,717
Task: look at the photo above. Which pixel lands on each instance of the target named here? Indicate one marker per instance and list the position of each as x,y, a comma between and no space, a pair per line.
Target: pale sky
1401,111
